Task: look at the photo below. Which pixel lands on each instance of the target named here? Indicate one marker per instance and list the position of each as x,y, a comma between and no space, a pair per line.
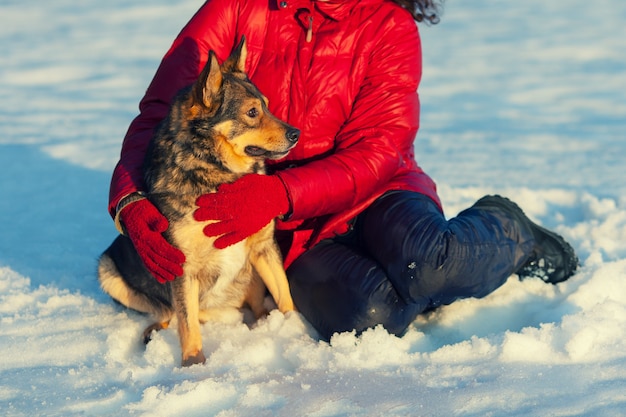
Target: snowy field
525,99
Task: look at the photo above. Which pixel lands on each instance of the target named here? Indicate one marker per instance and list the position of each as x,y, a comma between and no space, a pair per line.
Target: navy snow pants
403,258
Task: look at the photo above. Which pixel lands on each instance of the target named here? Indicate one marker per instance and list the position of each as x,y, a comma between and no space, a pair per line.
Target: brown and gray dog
217,130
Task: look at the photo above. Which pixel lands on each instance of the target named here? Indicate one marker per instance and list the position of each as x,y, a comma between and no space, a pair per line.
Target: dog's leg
256,296
269,267
186,305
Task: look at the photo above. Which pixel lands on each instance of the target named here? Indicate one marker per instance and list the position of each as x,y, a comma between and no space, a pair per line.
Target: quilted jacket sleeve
215,22
376,142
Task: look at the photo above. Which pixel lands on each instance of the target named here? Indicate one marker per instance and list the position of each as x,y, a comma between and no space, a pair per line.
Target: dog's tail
128,282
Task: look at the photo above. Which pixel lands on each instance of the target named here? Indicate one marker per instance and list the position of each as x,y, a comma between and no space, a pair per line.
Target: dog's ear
236,62
206,90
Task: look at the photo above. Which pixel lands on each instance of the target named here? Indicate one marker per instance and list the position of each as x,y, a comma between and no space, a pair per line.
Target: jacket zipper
309,31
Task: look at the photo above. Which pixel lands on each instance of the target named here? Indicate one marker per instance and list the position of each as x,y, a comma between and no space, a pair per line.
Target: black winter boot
553,259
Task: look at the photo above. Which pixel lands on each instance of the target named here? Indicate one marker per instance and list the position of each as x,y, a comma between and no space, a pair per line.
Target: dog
217,130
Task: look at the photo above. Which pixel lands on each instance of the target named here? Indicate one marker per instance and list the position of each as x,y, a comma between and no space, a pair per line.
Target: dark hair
428,11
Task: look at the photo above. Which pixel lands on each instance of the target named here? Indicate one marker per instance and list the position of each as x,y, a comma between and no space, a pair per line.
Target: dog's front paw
198,358
286,305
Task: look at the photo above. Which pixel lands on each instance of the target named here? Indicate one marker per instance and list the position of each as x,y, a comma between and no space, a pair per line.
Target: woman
360,224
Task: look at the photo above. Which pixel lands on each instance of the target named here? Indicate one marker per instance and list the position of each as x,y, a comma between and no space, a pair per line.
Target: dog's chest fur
223,274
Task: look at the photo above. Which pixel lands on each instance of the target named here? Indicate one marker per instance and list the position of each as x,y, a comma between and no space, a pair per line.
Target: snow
525,99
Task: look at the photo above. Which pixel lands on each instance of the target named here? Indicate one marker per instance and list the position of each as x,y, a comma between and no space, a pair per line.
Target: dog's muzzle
292,135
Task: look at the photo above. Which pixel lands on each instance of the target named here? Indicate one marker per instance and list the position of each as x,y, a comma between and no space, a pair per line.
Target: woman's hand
242,208
144,226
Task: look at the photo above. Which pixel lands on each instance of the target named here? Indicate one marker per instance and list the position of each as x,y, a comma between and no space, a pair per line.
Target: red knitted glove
144,225
242,208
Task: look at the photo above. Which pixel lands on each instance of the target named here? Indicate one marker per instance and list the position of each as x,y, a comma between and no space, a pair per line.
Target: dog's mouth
258,152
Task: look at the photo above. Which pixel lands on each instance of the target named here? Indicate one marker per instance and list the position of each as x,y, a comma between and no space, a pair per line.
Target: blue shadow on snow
54,220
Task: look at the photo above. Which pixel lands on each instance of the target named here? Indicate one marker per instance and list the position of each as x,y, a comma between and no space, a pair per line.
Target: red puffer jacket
344,72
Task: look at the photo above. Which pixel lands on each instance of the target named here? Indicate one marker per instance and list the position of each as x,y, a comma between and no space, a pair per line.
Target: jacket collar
335,9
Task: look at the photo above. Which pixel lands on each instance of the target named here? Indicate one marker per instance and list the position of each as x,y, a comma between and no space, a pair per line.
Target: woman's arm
212,27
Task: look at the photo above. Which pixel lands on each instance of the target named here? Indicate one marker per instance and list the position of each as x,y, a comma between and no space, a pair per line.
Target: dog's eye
253,112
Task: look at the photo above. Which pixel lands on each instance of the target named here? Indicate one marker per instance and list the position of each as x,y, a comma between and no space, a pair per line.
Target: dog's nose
292,135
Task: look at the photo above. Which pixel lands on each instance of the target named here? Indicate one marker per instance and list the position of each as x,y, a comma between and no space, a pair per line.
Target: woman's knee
409,237
338,289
